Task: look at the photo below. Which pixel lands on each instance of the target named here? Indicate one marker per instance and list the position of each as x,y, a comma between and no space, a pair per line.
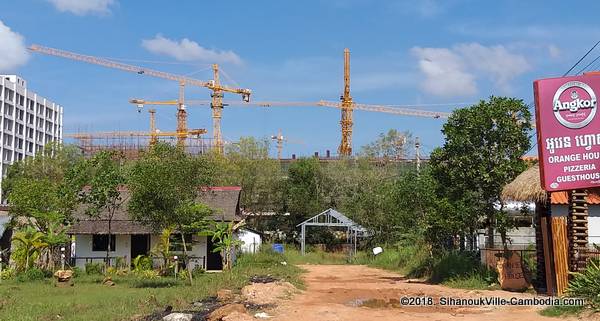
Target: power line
595,66
584,68
577,63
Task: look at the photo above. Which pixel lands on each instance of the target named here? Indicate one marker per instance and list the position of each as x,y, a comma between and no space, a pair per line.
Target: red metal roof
562,198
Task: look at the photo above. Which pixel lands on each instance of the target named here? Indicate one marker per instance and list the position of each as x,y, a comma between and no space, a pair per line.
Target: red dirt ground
335,293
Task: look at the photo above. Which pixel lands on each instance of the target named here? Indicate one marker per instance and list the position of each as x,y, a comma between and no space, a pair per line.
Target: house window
100,242
176,245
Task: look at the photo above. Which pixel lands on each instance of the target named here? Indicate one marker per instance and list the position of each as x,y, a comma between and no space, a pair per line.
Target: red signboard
568,131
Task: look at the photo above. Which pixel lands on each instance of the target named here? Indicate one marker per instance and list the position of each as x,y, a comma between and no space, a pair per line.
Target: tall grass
313,256
89,300
411,260
586,284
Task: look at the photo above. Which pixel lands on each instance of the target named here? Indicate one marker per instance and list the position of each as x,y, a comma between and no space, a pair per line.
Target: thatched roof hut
526,187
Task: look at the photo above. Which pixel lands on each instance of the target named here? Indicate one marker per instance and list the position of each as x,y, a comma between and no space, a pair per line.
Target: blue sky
403,53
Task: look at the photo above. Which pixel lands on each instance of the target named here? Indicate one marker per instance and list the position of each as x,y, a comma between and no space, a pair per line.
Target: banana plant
225,242
163,247
32,243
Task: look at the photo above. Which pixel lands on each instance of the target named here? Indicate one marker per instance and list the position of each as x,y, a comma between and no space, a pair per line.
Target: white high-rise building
27,121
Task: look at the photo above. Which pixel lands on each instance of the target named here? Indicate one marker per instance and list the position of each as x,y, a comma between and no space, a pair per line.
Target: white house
130,238
251,240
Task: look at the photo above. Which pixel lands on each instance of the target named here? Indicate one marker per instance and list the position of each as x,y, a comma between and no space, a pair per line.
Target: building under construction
132,144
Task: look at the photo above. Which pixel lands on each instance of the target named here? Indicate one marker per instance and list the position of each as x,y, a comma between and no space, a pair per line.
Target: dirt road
351,292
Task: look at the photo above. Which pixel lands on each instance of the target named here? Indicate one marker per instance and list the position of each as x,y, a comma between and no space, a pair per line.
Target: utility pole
418,154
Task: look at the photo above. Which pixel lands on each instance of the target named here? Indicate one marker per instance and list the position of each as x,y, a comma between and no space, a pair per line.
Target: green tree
482,153
103,196
44,188
303,193
163,187
43,192
260,177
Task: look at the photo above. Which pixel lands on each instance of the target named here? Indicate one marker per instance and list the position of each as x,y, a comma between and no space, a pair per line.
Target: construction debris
267,293
226,310
178,317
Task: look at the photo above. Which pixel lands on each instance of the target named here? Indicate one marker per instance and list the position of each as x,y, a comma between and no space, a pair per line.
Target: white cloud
453,71
188,50
445,73
496,62
554,51
13,52
83,7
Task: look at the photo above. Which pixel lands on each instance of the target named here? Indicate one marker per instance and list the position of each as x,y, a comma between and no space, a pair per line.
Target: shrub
147,274
7,274
33,274
94,268
76,271
155,283
197,272
121,263
412,259
453,264
475,280
182,274
142,263
266,256
586,284
116,271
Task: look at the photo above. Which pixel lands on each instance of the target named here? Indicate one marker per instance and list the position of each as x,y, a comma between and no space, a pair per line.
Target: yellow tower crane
279,139
345,148
213,85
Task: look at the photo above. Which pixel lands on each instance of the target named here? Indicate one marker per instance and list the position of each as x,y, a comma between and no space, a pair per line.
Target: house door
140,245
214,261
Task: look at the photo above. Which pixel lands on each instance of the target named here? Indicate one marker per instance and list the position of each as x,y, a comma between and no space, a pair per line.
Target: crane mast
279,139
153,136
181,116
345,148
217,110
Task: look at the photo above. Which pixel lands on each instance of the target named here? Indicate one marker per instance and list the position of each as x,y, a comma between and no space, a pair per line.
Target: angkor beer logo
574,104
